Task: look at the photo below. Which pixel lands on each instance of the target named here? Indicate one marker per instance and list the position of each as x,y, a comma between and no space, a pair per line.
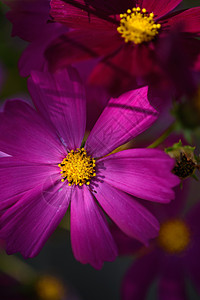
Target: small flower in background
48,169
44,287
136,45
48,287
170,258
165,60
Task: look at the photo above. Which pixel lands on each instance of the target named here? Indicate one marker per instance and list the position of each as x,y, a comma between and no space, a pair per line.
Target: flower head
47,169
139,43
174,236
172,256
137,26
186,163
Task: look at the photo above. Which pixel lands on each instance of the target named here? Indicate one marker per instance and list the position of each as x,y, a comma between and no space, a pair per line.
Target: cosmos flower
170,259
141,43
49,169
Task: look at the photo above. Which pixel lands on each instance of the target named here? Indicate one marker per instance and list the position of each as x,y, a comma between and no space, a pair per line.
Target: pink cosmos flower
143,41
48,169
170,259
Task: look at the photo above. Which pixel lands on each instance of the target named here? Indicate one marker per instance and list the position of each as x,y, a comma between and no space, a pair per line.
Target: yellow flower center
138,26
174,236
77,167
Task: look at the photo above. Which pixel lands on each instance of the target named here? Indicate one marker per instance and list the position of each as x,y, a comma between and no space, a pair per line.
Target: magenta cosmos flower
48,169
143,41
171,259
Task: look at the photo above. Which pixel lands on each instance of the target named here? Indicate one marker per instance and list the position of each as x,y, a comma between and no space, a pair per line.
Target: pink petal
131,217
189,20
123,119
159,8
33,57
111,7
191,257
18,177
91,239
139,277
144,173
29,18
3,154
25,135
28,224
79,45
172,283
60,98
192,50
118,71
78,14
174,58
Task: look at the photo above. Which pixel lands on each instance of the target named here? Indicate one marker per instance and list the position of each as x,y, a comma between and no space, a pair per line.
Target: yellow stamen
174,236
77,167
138,26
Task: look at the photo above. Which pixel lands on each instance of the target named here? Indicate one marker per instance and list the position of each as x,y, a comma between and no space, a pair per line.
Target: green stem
163,137
15,268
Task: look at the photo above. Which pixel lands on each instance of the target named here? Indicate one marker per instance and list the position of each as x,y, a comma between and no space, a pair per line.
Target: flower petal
143,173
139,277
79,45
159,8
112,7
120,70
172,283
78,14
28,224
60,98
29,18
18,177
33,57
123,119
25,135
91,239
130,216
191,259
188,19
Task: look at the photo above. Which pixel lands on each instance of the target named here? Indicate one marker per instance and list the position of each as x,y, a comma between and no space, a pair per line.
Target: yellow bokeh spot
138,26
77,167
49,288
174,236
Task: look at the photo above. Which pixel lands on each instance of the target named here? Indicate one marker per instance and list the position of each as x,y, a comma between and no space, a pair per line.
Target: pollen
77,167
174,236
138,26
